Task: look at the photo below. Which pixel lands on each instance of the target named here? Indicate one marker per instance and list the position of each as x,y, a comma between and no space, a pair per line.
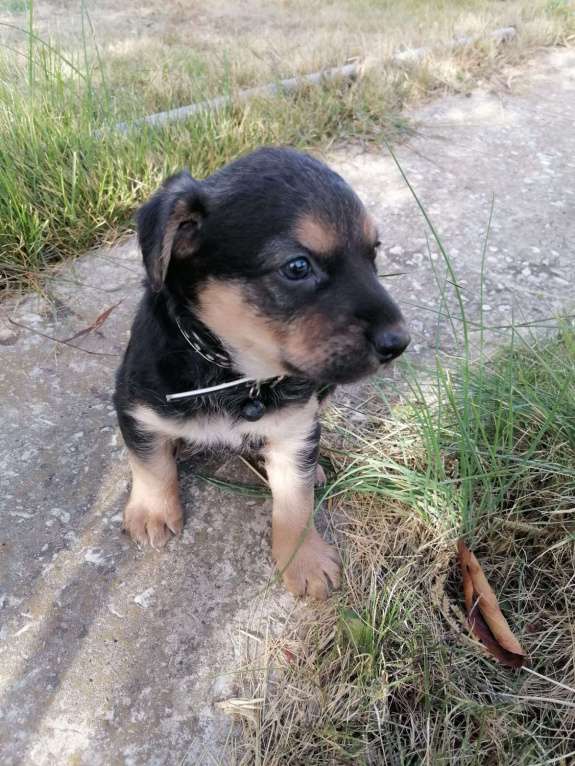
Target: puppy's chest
222,431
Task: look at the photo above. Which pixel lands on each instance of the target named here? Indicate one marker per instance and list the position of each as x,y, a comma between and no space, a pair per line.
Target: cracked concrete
114,655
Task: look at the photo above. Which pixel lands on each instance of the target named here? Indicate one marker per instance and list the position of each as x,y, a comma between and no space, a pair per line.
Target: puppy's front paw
146,524
314,569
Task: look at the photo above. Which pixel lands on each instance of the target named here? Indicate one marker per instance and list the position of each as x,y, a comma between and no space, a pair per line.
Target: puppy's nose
389,342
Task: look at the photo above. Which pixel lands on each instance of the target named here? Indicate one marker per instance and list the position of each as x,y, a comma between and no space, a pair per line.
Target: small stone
223,687
95,556
396,250
61,515
7,336
145,599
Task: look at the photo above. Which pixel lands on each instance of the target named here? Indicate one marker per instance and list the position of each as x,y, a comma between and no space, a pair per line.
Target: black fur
158,361
309,456
236,226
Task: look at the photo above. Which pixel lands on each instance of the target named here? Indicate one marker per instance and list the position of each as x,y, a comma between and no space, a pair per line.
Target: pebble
145,599
7,336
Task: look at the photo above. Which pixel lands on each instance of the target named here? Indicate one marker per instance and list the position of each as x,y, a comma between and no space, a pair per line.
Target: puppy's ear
169,225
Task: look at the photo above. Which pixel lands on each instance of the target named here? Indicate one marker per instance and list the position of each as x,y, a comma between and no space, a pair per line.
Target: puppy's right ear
169,225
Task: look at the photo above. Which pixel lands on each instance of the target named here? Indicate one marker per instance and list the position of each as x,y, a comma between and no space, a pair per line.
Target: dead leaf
483,612
243,708
289,656
59,340
96,324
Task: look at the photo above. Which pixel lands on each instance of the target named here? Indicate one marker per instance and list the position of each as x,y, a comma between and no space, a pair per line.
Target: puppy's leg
153,511
308,564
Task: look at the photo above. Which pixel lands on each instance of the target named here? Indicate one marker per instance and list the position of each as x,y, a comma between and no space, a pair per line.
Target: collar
205,344
208,346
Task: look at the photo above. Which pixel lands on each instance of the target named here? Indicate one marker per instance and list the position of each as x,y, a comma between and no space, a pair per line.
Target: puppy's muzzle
389,342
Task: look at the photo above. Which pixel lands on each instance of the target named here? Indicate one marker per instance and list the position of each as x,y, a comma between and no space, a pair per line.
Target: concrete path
113,655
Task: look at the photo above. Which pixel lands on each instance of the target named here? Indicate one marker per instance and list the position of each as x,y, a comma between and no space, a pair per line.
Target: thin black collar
205,344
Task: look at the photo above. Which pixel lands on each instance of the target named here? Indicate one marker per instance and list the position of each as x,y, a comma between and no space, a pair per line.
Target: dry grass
225,45
387,673
165,54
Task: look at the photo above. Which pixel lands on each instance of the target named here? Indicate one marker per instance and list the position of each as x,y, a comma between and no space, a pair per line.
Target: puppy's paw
313,571
153,526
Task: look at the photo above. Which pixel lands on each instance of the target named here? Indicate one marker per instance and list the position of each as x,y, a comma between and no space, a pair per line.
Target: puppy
261,287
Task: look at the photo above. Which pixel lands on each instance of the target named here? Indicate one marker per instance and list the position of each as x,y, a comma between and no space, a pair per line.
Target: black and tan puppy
261,277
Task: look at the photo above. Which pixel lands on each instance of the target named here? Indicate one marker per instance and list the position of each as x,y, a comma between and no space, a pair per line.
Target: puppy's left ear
169,225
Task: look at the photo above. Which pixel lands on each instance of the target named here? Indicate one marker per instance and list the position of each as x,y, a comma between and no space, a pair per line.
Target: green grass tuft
14,6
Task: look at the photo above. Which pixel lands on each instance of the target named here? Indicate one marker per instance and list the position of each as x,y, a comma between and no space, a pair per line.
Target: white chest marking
287,424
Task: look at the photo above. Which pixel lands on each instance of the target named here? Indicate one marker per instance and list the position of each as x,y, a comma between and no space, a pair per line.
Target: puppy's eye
297,268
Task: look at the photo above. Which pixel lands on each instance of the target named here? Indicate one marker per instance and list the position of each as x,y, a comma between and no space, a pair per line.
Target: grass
480,447
67,182
62,188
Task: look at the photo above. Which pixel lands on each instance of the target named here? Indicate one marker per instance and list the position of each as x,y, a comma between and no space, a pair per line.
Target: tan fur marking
315,235
180,215
308,564
313,338
286,423
308,337
370,230
153,511
255,343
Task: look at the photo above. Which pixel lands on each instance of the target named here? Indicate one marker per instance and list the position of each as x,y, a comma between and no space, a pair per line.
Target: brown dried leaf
483,612
58,340
96,324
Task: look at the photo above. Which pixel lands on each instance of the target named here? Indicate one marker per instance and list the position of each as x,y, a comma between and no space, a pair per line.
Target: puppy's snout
389,342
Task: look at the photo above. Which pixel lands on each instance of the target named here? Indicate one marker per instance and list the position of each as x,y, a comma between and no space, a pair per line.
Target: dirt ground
114,655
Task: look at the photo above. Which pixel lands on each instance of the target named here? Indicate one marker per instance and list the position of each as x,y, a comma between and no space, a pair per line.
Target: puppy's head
276,255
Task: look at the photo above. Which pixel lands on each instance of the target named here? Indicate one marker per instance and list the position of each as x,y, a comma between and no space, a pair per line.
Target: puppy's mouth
338,370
